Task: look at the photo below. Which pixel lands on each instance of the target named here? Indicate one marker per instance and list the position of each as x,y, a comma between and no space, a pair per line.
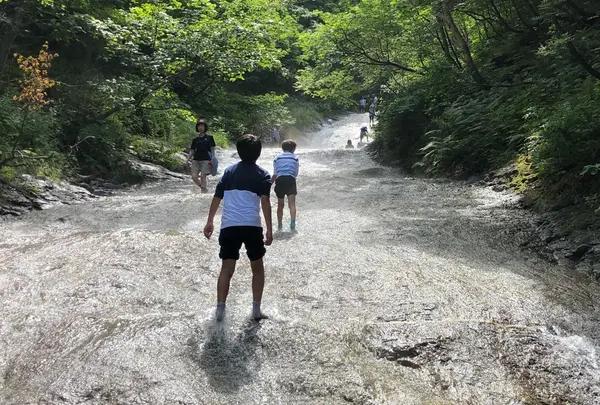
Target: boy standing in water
286,167
244,187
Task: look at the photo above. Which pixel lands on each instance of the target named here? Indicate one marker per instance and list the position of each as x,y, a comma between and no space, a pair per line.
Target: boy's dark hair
288,145
202,122
249,148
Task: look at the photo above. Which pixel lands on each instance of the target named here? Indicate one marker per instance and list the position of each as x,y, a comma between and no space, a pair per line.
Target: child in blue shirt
286,167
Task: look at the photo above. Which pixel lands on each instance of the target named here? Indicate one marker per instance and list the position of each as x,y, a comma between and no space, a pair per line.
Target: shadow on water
229,361
284,235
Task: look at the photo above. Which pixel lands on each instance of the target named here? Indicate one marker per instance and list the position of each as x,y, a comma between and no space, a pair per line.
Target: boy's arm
274,177
214,206
210,222
265,202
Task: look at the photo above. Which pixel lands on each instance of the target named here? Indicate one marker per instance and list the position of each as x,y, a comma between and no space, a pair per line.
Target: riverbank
568,234
27,193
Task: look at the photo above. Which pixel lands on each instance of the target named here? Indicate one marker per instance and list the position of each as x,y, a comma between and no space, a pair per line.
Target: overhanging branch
353,49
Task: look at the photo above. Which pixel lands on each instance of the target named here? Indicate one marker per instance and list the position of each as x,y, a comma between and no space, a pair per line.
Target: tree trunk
446,16
522,17
443,40
576,55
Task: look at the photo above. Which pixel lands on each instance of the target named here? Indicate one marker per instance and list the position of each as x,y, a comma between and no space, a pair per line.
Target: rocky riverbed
395,290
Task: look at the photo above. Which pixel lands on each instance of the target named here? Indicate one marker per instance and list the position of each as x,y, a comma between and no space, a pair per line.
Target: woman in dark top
201,155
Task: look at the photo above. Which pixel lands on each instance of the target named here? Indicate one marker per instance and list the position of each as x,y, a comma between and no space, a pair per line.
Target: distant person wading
276,138
364,132
363,104
201,155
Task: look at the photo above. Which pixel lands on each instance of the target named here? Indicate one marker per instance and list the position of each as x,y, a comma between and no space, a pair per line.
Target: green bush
7,174
304,113
565,138
221,138
564,143
476,133
400,130
102,146
157,152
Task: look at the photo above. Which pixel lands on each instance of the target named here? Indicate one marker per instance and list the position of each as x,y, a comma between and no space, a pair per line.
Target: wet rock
30,193
152,172
475,180
415,355
507,172
371,172
577,254
102,193
409,364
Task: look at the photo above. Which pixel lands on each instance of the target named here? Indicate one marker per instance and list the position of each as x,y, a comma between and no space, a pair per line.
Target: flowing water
395,290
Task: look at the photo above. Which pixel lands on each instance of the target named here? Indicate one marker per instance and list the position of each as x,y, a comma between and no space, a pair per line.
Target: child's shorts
285,185
232,238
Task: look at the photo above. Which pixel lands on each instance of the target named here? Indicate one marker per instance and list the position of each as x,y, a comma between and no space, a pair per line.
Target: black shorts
231,239
285,185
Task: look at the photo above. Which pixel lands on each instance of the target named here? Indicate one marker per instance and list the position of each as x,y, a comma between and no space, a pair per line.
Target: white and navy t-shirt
286,164
241,187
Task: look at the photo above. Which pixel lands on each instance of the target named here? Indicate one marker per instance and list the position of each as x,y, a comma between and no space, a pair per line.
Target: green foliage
464,87
304,113
7,174
221,138
131,70
156,151
566,136
525,174
102,147
471,86
402,123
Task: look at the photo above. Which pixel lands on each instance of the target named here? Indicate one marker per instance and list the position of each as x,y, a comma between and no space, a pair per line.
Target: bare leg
227,270
196,179
280,207
258,279
292,203
258,284
203,180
